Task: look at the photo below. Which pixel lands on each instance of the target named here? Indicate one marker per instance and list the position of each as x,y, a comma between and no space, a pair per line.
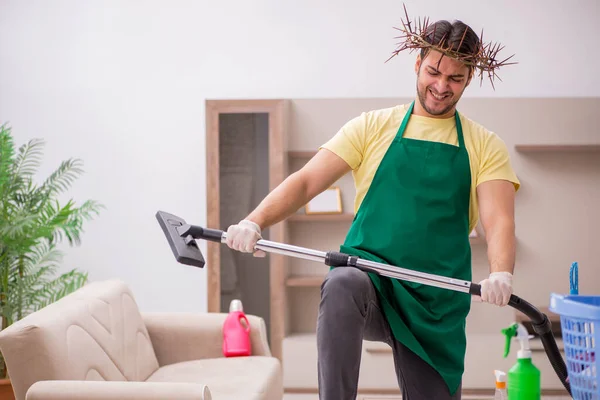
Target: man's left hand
497,288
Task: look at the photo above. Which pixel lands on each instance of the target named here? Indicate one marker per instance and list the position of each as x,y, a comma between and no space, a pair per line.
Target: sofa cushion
235,378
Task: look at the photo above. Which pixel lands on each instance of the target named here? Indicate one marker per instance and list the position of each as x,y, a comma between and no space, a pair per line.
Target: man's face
440,84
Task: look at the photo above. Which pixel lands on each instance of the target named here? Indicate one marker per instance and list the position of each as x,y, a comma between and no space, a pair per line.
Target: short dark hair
450,36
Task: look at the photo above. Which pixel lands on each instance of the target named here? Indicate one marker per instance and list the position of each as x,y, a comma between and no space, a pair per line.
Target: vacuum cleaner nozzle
185,249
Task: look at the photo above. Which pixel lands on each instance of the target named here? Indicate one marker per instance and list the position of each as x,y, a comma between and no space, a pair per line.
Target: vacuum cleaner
182,240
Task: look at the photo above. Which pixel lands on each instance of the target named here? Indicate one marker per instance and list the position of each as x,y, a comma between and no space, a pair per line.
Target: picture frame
327,202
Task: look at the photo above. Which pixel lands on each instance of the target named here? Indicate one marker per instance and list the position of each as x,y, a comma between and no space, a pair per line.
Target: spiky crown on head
421,35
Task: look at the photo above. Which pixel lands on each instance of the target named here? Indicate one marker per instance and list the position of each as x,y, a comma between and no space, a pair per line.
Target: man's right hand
243,237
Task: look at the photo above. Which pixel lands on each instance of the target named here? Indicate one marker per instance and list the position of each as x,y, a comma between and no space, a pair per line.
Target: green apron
415,215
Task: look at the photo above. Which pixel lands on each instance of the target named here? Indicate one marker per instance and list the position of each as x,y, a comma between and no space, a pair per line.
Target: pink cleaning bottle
236,332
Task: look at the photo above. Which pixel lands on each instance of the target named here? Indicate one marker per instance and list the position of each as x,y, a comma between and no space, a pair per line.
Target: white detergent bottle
500,393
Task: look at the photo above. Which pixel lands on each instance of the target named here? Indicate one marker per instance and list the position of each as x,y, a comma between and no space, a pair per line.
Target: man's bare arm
319,173
496,209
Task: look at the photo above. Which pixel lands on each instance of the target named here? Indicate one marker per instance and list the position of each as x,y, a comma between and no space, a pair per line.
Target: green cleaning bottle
524,379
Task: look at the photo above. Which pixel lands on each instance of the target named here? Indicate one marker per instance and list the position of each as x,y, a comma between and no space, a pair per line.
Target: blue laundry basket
580,327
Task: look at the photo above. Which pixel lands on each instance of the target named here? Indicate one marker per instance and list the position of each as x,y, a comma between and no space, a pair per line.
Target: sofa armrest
178,337
112,390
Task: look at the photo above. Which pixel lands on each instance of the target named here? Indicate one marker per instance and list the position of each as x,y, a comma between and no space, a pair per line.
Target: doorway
245,161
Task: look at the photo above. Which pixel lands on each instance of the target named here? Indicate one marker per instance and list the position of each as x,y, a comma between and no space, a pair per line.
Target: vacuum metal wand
365,265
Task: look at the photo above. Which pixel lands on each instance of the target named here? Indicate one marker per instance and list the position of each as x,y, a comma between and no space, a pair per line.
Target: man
424,176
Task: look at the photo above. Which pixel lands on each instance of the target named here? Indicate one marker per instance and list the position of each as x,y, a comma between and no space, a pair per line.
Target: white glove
497,288
243,237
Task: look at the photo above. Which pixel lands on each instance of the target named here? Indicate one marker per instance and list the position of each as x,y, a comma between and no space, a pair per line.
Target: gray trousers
350,312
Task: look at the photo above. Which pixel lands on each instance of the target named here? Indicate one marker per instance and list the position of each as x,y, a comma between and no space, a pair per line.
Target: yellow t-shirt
363,141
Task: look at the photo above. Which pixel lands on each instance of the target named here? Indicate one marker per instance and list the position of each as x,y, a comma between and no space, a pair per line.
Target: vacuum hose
543,327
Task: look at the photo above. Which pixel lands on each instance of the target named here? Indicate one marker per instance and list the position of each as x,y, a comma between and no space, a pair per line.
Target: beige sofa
95,344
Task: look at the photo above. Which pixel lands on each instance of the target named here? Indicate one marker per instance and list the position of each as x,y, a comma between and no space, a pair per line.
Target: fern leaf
7,154
57,289
42,255
29,158
62,178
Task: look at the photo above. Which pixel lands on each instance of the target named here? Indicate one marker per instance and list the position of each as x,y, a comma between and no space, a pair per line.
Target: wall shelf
477,240
521,148
564,148
301,153
305,281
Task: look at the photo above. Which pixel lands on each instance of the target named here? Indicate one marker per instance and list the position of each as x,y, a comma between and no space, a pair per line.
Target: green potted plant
32,223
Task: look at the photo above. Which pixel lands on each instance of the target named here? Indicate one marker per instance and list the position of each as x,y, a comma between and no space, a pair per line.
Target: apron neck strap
459,131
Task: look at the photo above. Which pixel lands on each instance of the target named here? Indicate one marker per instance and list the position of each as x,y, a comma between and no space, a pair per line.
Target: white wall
122,84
